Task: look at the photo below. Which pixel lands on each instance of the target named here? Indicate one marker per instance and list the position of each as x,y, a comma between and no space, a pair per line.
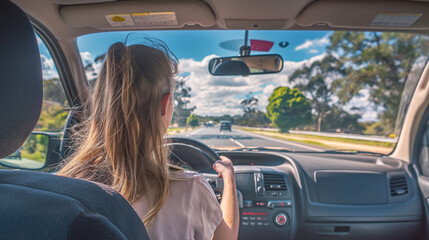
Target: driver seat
36,205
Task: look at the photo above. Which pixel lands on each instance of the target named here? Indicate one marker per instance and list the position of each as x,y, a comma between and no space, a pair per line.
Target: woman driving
122,144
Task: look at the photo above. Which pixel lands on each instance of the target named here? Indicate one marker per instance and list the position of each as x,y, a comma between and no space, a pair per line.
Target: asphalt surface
237,138
22,163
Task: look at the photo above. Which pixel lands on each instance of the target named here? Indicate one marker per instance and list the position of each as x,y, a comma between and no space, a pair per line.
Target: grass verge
328,142
313,138
177,130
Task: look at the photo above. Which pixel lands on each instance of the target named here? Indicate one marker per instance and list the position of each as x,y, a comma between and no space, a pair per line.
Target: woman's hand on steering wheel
224,167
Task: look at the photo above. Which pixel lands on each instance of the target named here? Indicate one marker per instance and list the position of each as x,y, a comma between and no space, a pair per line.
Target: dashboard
324,196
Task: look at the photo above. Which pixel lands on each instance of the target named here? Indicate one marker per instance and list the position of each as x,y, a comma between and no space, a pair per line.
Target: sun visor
139,15
366,14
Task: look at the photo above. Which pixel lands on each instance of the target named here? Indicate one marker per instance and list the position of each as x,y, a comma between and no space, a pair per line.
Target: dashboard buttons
257,219
248,203
281,219
285,203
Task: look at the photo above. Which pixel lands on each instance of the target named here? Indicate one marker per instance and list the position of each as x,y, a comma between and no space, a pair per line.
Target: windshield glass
337,90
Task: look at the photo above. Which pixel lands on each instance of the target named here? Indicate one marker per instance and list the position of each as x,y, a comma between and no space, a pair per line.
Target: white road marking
195,132
283,141
236,142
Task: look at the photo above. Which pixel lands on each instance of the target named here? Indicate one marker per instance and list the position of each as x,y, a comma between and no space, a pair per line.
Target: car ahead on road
225,125
209,124
306,65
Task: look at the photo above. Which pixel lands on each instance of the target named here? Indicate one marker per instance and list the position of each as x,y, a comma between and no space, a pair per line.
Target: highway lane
237,138
22,163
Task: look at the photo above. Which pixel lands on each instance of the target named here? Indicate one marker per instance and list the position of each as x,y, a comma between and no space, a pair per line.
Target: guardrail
337,135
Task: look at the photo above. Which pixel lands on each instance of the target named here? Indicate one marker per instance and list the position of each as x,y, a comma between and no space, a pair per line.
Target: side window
54,113
33,154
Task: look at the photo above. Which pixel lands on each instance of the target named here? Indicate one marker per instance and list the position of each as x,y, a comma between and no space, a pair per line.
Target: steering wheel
192,153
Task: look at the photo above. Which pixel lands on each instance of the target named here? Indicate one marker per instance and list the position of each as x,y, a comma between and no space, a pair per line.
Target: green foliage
377,128
315,81
53,115
253,119
288,108
52,118
192,120
182,98
53,92
336,118
217,119
379,62
249,104
35,147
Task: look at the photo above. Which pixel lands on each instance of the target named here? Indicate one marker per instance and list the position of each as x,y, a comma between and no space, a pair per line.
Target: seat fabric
42,206
36,205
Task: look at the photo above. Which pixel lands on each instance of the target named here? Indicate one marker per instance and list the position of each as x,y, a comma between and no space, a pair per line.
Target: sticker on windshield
120,20
155,19
395,19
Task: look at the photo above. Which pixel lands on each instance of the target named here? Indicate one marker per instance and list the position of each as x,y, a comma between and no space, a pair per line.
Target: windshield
337,90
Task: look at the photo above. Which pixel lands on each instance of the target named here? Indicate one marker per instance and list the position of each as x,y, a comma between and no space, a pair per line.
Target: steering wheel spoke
193,154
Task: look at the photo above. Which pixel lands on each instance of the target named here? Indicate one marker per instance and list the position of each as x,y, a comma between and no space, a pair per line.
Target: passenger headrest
21,86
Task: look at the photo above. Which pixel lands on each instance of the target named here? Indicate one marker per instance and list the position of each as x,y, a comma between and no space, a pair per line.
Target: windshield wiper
256,149
352,151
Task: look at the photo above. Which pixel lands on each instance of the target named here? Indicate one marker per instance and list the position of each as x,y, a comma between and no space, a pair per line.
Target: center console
267,205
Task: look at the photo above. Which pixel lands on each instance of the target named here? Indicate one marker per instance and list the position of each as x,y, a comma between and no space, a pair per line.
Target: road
237,138
22,163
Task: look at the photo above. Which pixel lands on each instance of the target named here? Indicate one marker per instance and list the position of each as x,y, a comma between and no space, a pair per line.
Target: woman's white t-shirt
191,210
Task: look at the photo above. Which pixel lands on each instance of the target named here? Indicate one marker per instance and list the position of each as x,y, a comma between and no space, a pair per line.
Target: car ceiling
68,19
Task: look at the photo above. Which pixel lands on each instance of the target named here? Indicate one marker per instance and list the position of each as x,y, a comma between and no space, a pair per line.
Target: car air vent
398,186
274,182
211,182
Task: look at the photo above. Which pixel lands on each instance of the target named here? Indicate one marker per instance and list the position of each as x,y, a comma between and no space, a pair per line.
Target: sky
219,95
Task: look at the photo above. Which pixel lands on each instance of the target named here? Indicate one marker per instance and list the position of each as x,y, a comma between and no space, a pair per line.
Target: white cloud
48,67
219,95
361,104
313,51
92,68
216,95
317,42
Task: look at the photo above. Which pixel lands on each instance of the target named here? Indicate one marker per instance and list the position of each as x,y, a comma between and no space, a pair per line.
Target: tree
53,116
182,98
53,91
288,108
380,63
192,120
336,118
251,115
249,104
316,80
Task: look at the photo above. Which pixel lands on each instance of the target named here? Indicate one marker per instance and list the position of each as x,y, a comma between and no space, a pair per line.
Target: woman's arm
228,228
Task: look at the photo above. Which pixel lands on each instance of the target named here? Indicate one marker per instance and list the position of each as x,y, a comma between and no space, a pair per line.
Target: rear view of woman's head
121,143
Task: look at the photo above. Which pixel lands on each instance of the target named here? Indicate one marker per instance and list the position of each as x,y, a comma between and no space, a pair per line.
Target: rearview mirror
38,152
246,65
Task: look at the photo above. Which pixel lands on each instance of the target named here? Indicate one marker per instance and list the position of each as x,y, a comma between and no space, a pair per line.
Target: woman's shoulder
187,178
184,175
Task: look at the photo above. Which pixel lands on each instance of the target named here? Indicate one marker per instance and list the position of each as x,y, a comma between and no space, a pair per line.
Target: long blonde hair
121,142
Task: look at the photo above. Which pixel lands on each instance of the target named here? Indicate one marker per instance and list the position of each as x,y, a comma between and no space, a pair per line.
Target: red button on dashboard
281,219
